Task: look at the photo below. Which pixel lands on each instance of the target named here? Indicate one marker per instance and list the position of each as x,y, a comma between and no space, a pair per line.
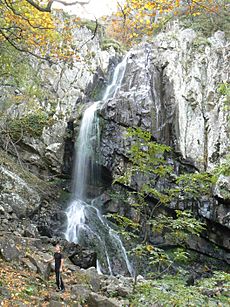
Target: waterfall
85,224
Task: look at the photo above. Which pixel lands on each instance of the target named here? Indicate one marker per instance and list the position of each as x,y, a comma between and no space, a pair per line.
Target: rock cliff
170,88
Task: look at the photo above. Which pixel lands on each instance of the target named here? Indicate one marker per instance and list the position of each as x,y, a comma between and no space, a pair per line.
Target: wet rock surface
169,89
166,90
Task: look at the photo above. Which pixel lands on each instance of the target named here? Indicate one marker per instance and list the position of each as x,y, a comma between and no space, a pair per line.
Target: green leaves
156,188
31,124
177,230
173,291
147,155
224,89
223,168
195,184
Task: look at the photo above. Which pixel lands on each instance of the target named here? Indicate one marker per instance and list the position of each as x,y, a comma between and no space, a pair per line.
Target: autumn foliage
45,35
138,18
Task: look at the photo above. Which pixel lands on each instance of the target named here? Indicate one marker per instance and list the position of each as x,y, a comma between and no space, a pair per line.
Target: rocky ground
32,189
27,280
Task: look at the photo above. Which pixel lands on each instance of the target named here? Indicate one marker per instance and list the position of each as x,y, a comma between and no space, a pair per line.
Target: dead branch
94,34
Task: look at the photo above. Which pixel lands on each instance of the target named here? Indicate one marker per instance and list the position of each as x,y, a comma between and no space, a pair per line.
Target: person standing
59,263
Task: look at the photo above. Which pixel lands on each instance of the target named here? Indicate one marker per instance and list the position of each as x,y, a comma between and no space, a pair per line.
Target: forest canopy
138,18
30,27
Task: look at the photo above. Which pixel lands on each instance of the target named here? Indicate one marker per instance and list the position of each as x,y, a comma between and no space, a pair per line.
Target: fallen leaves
18,285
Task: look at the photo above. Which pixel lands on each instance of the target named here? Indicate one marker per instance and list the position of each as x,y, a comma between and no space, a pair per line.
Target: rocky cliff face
170,88
67,86
37,137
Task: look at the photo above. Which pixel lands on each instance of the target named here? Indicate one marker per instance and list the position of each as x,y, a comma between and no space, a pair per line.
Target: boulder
117,286
38,260
94,279
17,193
83,258
29,265
31,231
97,300
81,292
222,189
9,250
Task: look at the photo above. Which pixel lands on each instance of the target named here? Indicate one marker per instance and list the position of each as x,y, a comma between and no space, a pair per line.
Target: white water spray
85,222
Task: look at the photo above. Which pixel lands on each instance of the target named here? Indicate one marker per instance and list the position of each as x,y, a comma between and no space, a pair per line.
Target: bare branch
94,34
72,3
21,49
49,4
40,8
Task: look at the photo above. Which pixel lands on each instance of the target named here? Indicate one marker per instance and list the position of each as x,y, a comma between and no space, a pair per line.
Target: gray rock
2,210
96,300
54,303
66,85
8,249
38,260
117,286
31,231
83,258
94,279
29,264
81,292
167,91
17,194
4,292
222,188
170,88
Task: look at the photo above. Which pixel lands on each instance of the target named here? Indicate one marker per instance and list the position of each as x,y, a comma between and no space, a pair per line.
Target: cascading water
86,225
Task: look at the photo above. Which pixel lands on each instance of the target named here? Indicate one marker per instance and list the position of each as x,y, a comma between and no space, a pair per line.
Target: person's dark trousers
59,281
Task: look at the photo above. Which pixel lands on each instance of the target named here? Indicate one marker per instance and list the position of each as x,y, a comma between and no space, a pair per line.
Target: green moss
89,24
109,42
201,41
15,167
31,124
64,196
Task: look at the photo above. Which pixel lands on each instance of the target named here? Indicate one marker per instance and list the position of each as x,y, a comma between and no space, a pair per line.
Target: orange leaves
30,30
138,18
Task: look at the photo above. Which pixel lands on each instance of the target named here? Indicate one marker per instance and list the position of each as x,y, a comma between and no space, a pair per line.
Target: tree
30,27
138,18
158,186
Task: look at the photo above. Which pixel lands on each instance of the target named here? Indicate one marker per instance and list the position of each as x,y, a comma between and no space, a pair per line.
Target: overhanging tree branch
47,8
21,49
10,7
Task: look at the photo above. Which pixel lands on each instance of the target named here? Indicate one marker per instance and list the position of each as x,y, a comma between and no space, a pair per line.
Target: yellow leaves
137,18
196,14
149,248
34,31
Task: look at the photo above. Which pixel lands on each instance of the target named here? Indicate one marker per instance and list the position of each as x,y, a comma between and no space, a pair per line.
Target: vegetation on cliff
170,263
29,31
144,18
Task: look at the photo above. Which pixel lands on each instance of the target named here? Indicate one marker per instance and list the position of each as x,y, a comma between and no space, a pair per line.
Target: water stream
86,225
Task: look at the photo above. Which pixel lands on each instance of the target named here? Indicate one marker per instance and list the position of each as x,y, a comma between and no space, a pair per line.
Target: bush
173,291
107,43
31,124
